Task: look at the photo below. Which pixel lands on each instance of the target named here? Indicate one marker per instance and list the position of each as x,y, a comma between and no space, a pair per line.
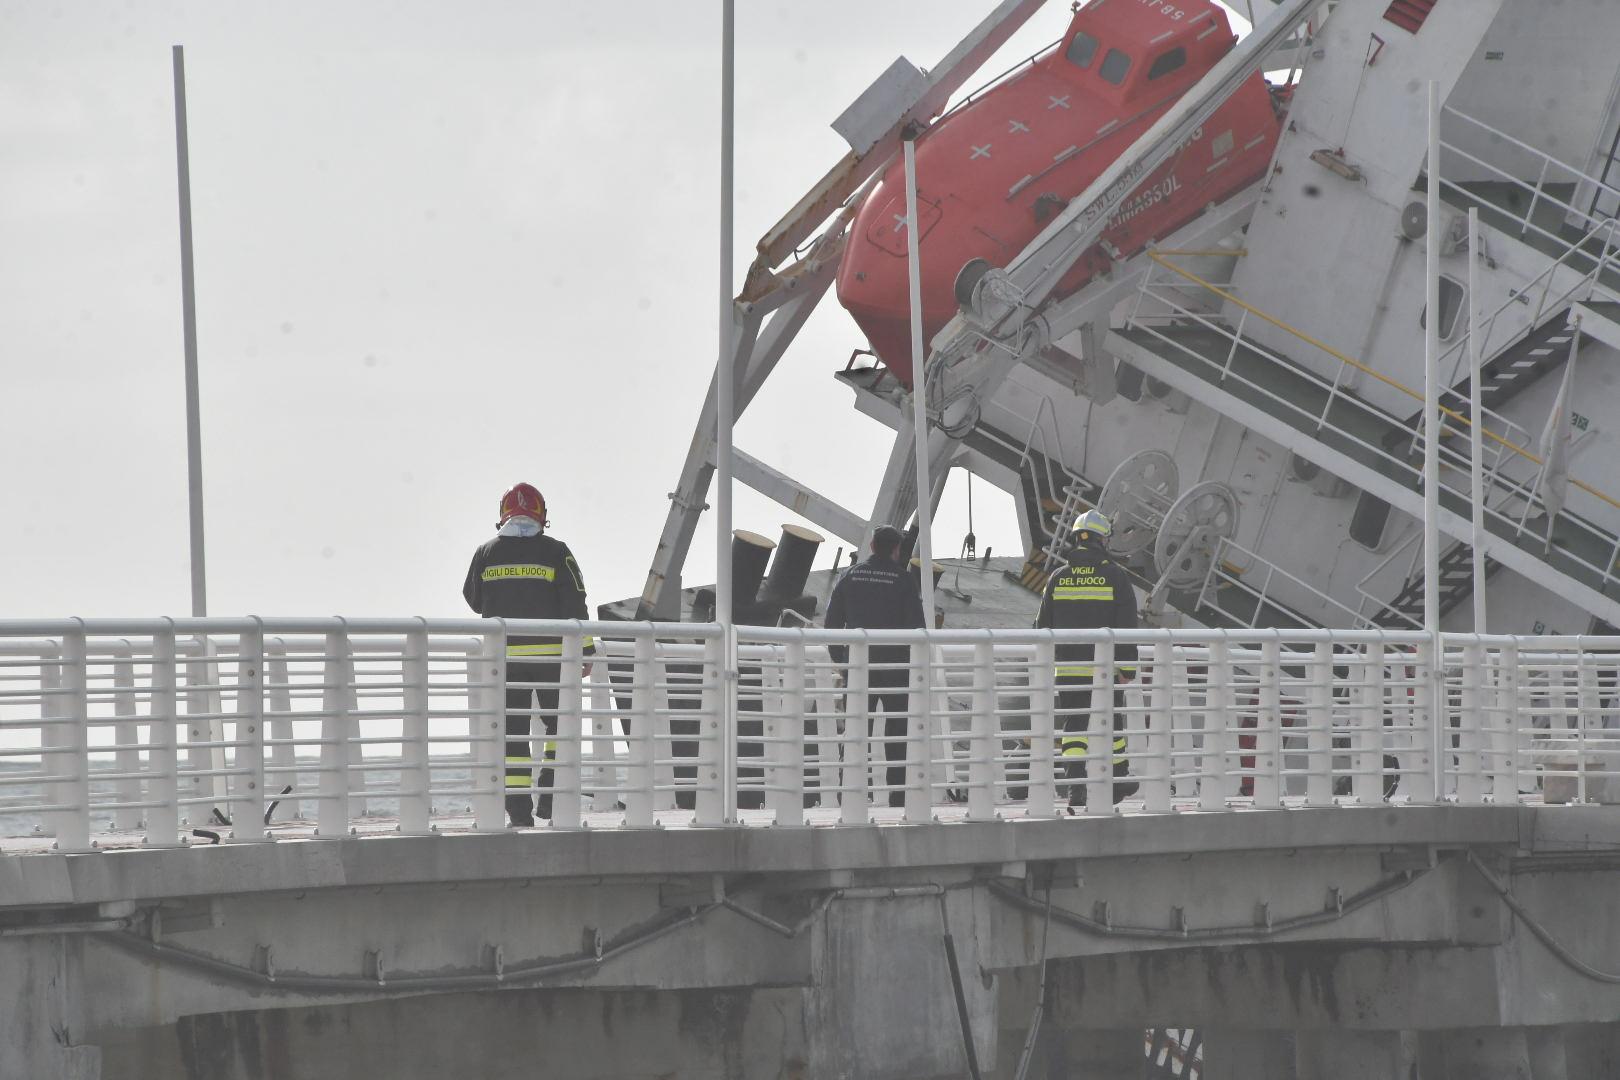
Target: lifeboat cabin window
1167,63
1082,50
1115,66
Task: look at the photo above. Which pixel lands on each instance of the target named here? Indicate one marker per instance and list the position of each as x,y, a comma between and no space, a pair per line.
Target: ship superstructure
1241,384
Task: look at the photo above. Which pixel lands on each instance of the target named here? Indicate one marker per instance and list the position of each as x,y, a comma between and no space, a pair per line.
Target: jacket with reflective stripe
1090,593
527,577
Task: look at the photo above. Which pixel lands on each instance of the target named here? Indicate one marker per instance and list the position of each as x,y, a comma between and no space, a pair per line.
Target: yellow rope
1458,417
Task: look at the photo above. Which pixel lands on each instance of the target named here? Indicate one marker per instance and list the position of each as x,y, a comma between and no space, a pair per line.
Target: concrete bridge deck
758,952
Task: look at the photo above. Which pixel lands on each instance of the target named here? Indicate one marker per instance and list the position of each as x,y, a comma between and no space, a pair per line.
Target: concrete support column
1105,1054
42,1029
1352,1055
1486,1054
1548,1060
1238,1054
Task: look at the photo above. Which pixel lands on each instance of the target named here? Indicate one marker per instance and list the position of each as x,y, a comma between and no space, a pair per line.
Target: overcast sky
440,248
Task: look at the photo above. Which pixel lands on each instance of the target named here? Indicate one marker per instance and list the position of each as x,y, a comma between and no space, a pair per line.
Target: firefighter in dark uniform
521,573
881,594
1089,593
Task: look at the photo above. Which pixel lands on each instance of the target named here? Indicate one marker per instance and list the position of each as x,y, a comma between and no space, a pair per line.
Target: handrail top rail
14,632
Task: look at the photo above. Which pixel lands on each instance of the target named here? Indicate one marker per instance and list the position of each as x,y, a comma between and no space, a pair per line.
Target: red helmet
524,500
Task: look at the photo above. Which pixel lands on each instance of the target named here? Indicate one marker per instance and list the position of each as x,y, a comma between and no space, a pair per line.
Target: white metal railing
149,729
1233,570
1551,170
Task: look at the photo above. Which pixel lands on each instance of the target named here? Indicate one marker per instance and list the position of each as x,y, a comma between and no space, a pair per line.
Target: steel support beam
802,500
757,352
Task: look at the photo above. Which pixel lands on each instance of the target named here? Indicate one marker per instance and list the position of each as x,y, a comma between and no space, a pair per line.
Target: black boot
520,811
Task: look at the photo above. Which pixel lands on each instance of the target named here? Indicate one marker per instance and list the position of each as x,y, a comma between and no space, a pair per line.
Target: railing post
1099,757
784,731
1160,717
638,795
205,756
855,781
709,786
566,789
983,736
662,749
1268,727
604,764
247,808
1319,726
281,754
415,764
1425,778
919,727
163,817
1470,779
486,727
1590,720
127,735
67,743
1503,732
1368,784
1535,196
337,724
1042,733
1217,719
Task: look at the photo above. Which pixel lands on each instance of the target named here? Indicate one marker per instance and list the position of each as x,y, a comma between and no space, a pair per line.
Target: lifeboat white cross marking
1058,102
899,222
981,151
1014,127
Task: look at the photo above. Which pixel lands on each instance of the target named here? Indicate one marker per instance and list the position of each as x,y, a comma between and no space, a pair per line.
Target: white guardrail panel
149,730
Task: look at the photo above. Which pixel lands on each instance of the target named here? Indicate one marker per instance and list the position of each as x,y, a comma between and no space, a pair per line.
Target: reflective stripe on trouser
1074,702
1075,747
524,652
520,764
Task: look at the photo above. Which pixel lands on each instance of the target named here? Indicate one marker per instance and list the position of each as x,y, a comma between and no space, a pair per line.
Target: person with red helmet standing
521,573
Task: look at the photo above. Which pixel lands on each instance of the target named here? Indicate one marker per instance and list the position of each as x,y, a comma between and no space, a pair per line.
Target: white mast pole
1476,412
1431,380
919,394
724,381
188,309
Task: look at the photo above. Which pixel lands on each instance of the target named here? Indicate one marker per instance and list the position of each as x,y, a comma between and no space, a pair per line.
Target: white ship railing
1514,503
256,729
1550,170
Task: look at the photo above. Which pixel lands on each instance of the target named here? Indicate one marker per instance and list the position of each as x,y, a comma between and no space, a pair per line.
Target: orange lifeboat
993,173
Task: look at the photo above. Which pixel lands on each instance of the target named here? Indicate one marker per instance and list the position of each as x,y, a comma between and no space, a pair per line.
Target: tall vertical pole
1431,380
1436,718
919,392
188,306
1476,430
724,383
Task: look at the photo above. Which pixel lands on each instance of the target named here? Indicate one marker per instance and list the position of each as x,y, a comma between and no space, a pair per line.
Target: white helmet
1095,522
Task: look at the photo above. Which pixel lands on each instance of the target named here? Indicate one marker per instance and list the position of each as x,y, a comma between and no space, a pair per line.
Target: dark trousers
895,704
519,763
1074,693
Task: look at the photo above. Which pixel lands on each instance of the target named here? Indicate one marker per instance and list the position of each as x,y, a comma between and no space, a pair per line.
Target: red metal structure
992,173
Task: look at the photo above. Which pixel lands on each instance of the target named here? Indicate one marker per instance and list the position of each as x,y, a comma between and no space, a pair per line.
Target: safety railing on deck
258,729
1514,503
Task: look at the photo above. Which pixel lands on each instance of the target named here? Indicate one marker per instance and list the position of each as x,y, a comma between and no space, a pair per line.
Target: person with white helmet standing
521,573
1090,592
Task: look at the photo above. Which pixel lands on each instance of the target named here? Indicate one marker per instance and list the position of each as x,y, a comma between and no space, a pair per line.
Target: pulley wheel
1136,497
1181,562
